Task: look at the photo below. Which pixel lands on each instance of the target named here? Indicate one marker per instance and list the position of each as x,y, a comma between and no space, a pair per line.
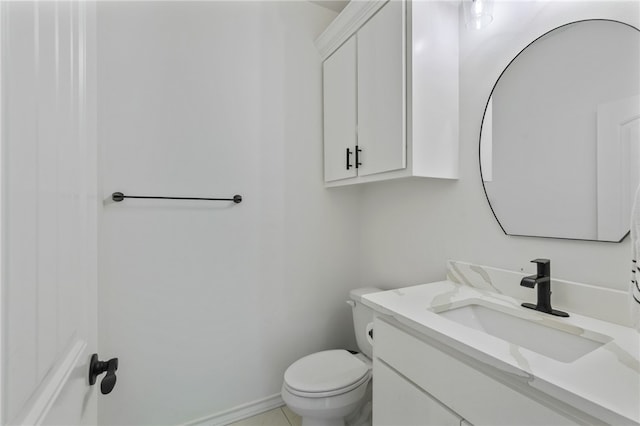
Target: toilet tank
362,319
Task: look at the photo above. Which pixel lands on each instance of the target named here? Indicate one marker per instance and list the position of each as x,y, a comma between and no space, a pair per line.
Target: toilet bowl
333,387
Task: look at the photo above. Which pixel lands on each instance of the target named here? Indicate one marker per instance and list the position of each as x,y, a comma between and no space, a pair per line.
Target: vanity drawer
472,394
398,402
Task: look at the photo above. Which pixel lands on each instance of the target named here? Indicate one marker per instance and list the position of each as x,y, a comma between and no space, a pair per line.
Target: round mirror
560,136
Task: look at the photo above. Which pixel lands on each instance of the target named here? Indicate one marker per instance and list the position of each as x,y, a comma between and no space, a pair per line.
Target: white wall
411,228
207,304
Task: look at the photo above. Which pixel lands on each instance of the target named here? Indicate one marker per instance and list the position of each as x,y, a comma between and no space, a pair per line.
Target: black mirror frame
485,112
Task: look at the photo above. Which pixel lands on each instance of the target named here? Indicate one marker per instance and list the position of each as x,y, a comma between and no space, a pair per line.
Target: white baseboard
239,412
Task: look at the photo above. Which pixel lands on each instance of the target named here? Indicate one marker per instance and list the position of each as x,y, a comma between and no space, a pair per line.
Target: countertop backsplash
597,302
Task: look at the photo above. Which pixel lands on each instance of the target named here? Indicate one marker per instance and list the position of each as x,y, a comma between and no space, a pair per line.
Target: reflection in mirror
560,138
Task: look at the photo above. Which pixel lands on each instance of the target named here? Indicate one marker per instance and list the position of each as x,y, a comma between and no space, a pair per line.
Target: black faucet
543,280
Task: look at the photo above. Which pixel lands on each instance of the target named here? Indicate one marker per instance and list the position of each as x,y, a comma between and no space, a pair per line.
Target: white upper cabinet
339,71
381,91
391,91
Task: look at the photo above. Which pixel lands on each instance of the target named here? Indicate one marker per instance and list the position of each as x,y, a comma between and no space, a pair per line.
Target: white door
339,100
618,165
381,91
48,212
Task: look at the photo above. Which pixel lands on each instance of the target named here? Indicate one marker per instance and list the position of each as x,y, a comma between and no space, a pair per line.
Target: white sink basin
537,332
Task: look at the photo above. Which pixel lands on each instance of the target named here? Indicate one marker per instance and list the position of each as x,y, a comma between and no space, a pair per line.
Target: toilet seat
325,374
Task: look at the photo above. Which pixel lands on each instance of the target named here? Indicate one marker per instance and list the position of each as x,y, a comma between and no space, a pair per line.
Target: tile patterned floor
277,417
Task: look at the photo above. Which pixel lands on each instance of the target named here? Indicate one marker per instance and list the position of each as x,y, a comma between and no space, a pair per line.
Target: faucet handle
541,261
544,267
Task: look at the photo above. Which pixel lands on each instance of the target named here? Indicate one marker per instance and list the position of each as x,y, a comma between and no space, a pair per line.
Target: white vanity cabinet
390,92
417,381
399,402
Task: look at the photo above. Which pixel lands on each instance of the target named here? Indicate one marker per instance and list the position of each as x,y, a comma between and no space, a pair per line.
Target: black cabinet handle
98,367
358,151
349,158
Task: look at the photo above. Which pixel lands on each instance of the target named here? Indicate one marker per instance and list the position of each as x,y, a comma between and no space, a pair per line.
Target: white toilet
333,388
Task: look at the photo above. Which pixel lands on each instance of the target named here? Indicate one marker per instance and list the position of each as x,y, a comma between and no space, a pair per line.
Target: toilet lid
325,371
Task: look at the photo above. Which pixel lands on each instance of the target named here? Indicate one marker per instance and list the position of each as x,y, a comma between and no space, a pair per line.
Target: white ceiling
335,5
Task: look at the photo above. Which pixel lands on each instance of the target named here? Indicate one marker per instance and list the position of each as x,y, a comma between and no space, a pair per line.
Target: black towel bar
119,196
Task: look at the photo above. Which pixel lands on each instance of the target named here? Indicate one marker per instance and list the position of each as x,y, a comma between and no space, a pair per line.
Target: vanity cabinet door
339,91
381,91
398,402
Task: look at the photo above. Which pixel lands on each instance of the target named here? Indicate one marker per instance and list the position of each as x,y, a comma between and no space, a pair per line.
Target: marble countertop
604,383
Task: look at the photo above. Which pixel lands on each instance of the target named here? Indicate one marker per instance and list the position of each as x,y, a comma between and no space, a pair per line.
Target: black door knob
97,367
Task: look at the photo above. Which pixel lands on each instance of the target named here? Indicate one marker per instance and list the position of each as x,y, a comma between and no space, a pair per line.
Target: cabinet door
339,77
398,402
381,91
